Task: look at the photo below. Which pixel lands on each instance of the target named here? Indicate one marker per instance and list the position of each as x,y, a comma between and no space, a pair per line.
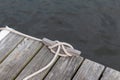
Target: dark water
92,26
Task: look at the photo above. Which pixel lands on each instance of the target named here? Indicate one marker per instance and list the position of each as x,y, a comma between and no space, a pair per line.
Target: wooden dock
20,57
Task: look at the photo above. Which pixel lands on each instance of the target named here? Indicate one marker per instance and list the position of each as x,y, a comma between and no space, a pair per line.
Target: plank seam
78,69
29,61
51,67
101,75
11,51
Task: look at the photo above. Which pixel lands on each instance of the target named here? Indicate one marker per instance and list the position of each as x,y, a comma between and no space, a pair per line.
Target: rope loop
63,48
59,49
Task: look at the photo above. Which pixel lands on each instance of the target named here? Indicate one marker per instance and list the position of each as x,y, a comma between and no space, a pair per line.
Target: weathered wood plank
65,68
18,59
8,44
111,74
38,62
89,71
3,34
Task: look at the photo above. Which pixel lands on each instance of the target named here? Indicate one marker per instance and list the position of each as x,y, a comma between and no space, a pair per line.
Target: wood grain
89,71
8,44
3,34
111,74
38,62
18,59
65,68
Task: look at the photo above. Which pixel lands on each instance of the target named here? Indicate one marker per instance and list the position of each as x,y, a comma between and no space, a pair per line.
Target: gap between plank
29,61
101,75
11,51
51,67
78,68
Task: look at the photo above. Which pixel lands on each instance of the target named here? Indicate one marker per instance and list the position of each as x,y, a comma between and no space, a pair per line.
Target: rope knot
61,48
56,47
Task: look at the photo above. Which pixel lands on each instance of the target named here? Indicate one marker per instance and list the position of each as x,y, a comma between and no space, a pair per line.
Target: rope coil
55,48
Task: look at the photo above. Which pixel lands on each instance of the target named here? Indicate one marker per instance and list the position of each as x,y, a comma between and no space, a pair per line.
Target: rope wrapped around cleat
58,48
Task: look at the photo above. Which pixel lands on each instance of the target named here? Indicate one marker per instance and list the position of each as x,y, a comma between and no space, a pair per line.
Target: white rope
63,46
17,32
59,45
